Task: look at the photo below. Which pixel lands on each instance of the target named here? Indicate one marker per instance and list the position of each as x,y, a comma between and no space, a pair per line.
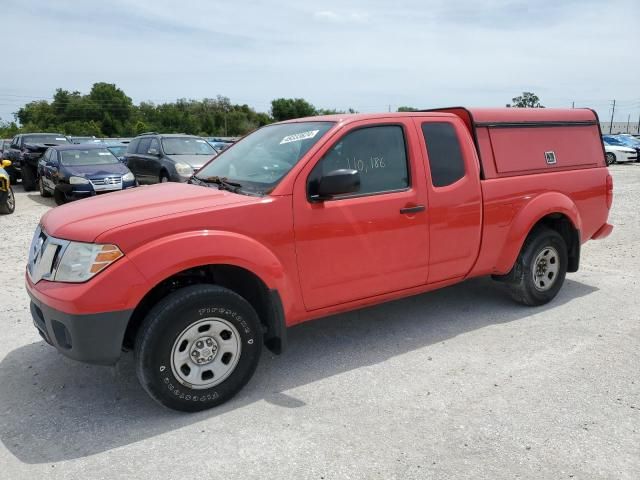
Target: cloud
331,16
365,54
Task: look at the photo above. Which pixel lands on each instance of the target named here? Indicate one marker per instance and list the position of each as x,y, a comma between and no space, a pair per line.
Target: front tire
610,158
540,269
59,196
198,347
43,191
28,178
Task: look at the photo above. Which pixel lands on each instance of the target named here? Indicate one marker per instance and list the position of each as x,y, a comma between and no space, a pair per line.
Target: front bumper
91,338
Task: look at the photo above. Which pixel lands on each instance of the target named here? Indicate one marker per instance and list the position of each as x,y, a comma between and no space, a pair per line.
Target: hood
95,171
619,148
88,218
196,161
39,147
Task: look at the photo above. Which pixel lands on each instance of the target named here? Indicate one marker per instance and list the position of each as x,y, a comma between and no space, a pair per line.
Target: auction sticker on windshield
299,136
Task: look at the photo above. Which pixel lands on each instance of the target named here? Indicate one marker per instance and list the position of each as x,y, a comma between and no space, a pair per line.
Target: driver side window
378,153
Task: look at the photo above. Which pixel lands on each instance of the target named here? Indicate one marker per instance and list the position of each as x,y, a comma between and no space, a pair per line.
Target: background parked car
7,199
25,151
616,151
4,145
70,172
155,158
630,141
79,140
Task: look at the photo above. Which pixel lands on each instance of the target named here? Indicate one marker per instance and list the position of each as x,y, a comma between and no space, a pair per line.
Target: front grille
107,181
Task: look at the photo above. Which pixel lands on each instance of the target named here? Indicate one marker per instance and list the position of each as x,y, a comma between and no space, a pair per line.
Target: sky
370,55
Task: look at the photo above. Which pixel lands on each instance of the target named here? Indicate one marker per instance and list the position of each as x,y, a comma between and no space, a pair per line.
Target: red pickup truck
310,217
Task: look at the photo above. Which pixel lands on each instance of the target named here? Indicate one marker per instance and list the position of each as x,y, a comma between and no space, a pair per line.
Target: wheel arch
553,210
265,301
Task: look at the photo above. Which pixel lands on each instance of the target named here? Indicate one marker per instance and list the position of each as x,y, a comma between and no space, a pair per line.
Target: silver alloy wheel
164,179
11,200
545,269
206,353
41,185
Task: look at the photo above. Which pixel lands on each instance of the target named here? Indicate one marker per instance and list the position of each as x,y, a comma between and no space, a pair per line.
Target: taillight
609,191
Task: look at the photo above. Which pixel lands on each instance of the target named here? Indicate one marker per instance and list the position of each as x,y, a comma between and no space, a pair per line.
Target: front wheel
59,196
28,178
610,158
540,269
198,347
43,191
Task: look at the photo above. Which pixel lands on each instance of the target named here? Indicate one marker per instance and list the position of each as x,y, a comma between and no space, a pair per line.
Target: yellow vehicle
7,199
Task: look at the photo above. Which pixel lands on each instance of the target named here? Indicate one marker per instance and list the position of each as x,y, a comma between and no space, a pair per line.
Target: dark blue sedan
70,172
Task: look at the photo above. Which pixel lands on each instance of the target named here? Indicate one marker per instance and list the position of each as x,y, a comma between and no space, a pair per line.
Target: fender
167,256
537,208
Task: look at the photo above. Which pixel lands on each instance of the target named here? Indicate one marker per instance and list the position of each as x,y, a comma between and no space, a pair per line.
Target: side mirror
337,182
153,151
6,163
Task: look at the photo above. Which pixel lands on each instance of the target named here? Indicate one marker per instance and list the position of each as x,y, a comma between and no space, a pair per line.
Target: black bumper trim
92,338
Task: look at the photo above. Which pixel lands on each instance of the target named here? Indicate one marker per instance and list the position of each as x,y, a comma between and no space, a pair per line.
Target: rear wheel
164,177
198,347
540,269
7,202
28,178
610,158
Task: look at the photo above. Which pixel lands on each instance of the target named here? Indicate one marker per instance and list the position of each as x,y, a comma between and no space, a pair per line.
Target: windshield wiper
222,182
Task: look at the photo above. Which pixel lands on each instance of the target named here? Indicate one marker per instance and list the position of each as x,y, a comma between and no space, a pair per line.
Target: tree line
106,111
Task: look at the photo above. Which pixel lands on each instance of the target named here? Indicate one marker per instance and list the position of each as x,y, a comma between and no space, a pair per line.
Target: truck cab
310,217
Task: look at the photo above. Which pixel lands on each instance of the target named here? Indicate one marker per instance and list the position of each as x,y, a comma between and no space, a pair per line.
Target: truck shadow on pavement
54,409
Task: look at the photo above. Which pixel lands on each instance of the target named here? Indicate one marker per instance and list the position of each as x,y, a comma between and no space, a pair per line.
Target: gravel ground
458,383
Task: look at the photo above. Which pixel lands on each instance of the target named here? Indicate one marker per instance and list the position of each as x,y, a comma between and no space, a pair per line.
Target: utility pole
639,124
628,120
612,112
389,108
573,104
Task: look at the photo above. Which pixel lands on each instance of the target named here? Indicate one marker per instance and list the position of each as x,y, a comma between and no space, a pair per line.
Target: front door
374,241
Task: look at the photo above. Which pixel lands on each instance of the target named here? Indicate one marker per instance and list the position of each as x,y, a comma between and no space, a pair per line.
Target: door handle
416,209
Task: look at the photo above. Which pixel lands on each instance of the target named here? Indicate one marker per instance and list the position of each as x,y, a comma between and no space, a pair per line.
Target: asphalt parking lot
458,383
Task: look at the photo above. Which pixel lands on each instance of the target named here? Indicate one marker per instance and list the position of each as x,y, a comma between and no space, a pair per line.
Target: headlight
184,169
81,261
128,177
78,181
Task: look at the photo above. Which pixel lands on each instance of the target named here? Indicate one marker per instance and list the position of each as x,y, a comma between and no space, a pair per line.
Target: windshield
629,140
93,156
186,146
260,160
53,139
613,141
118,151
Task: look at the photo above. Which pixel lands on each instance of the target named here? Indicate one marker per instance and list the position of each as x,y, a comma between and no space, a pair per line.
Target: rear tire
200,322
28,178
7,202
540,269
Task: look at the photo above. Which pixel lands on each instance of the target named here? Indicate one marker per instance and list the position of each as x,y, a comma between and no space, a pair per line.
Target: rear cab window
444,152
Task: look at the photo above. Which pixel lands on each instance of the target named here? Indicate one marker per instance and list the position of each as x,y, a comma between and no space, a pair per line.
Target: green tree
526,100
408,109
288,108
